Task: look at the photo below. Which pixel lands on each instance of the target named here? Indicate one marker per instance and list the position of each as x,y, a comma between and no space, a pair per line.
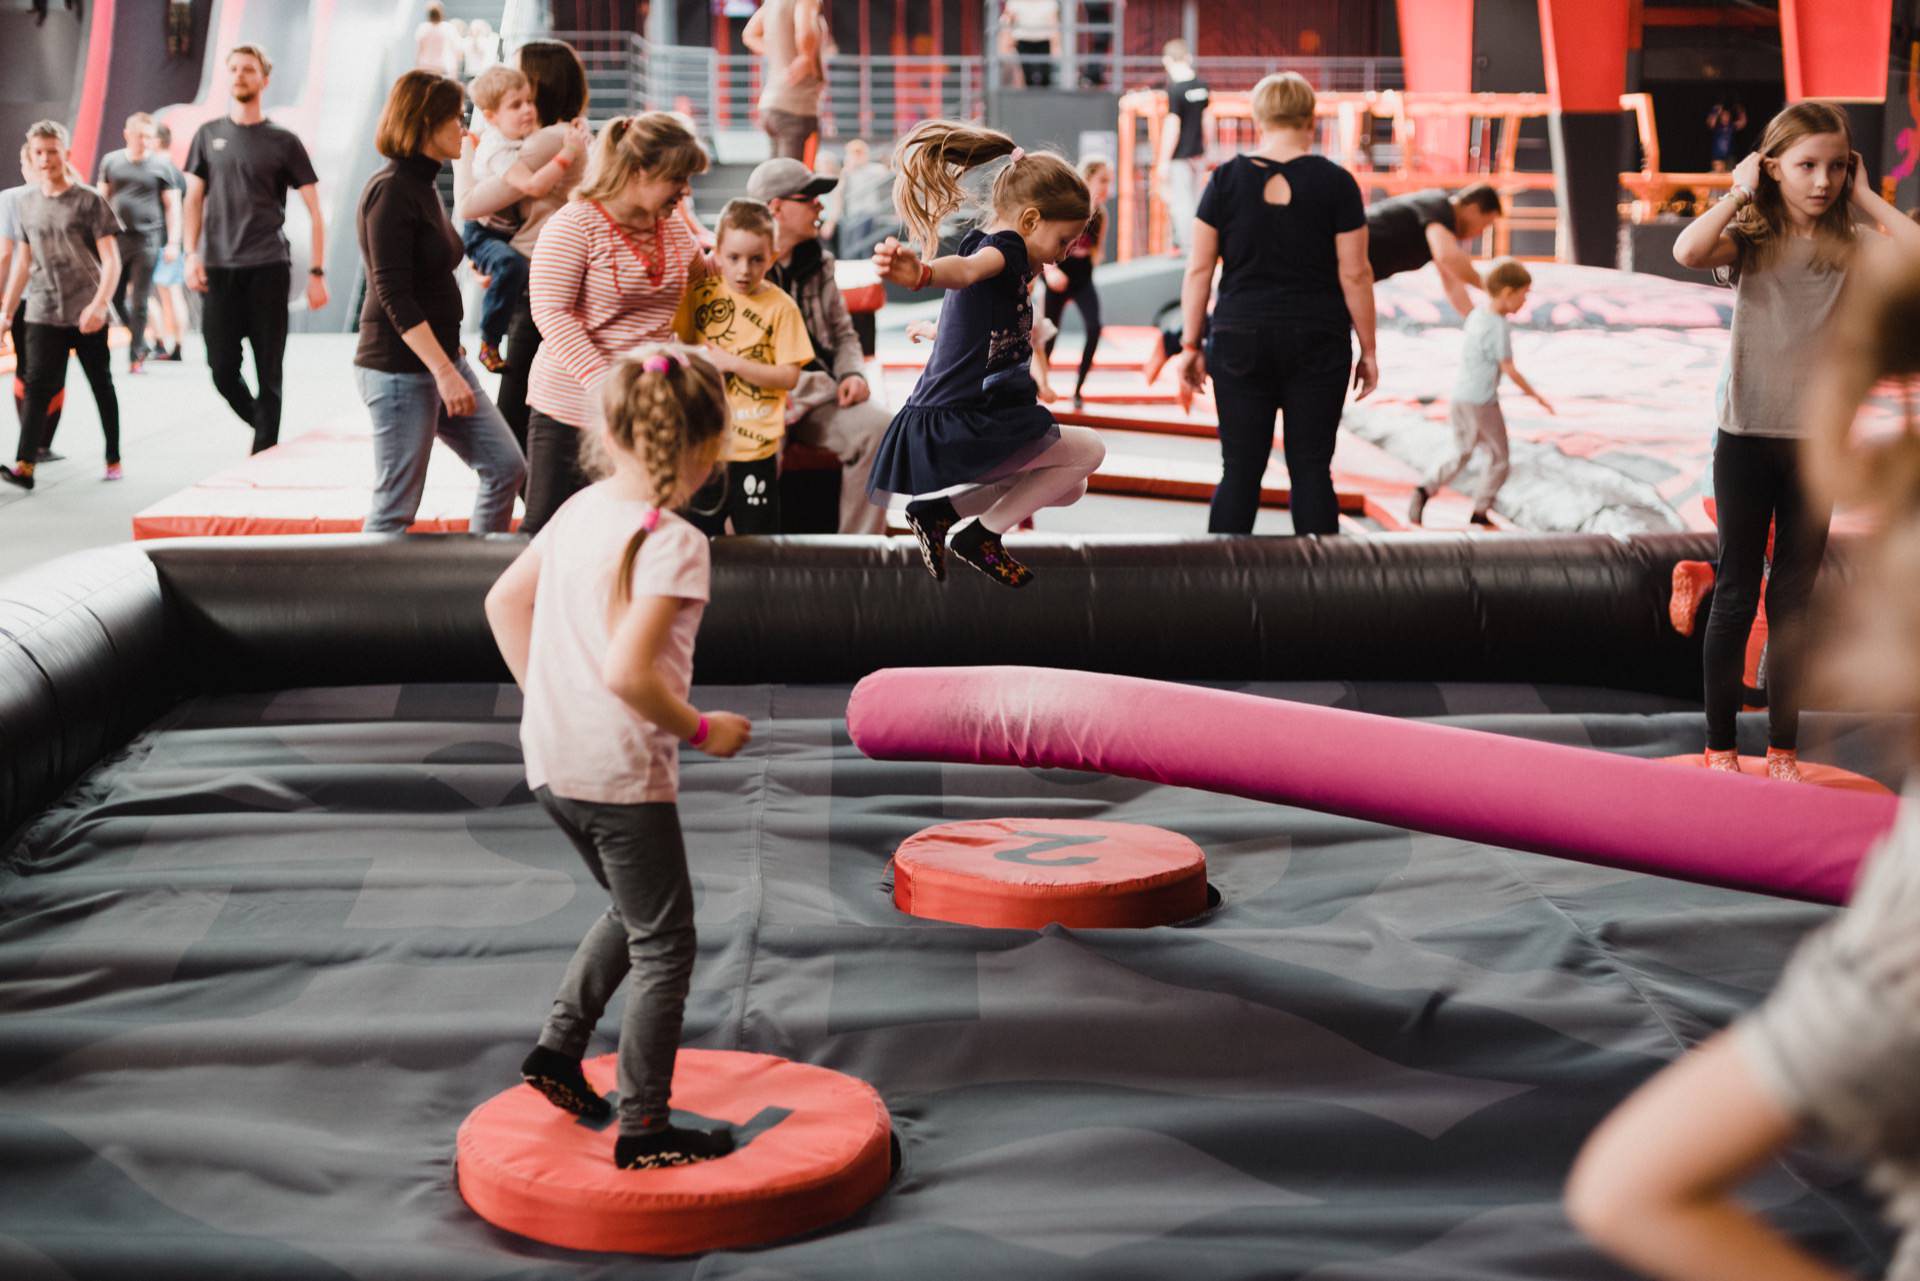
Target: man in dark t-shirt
138,183
1180,170
239,171
1405,233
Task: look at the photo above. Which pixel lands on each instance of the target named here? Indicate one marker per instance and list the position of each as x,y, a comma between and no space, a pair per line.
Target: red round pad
1819,775
1028,873
814,1146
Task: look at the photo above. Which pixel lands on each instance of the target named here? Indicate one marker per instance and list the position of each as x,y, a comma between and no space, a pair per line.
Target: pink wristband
699,735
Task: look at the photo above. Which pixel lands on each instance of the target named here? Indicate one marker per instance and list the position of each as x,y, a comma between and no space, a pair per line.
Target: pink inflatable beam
1802,841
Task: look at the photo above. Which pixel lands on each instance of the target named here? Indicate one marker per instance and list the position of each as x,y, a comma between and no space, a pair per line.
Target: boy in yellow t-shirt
755,335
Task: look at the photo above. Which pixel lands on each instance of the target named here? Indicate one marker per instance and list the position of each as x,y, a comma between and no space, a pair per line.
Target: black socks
658,1149
1418,507
565,1085
981,548
930,519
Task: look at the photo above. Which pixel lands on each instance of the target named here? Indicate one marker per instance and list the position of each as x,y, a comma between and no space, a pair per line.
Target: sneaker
1418,507
136,366
22,478
1482,519
1691,579
1783,766
1724,762
671,1146
490,358
565,1086
113,472
981,548
171,357
48,456
930,520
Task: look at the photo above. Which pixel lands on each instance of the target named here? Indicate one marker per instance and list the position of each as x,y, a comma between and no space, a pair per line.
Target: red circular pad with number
1819,775
813,1146
1028,873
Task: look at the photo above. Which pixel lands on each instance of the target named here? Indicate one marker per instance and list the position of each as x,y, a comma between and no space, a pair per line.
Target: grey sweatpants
1474,425
635,851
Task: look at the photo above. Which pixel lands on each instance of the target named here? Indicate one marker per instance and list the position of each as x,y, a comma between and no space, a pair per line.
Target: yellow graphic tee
764,326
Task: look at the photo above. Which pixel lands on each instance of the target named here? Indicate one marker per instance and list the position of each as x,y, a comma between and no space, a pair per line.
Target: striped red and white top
593,301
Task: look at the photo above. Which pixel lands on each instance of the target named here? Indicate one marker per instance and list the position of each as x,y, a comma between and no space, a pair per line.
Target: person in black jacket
412,374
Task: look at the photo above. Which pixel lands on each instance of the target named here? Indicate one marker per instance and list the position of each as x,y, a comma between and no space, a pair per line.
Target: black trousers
746,493
1301,374
249,304
523,340
555,471
138,251
18,326
1081,293
1036,62
1757,483
44,359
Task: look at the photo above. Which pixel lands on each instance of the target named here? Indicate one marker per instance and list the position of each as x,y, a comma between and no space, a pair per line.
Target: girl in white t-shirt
596,620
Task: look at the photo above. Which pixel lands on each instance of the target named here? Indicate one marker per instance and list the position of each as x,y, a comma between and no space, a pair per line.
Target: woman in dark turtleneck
412,374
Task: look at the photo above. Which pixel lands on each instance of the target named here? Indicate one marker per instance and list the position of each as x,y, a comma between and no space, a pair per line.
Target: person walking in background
170,271
1030,29
416,383
1180,168
66,261
139,185
791,35
16,324
433,41
239,170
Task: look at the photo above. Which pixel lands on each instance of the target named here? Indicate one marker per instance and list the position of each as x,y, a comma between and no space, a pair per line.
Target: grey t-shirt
1838,1040
1777,311
248,170
63,232
9,219
1485,342
137,188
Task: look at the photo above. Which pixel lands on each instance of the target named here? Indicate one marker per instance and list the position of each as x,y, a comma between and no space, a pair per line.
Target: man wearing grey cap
832,407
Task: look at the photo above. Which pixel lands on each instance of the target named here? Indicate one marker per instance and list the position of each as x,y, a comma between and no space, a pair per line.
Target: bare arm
1169,139
1356,286
538,182
1196,286
760,374
1896,226
108,247
1512,371
22,255
510,612
1456,269
806,29
1704,244
755,35
901,264
310,196
170,210
195,216
1654,1185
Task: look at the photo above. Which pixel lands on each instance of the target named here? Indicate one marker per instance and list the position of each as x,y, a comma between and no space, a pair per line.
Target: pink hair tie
658,363
1019,154
651,521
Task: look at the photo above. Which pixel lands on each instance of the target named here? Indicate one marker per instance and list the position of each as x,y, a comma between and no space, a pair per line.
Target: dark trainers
22,478
1483,519
1418,507
669,1147
981,548
564,1084
49,456
930,519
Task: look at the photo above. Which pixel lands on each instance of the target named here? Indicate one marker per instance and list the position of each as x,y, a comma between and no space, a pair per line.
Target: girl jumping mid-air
596,620
973,440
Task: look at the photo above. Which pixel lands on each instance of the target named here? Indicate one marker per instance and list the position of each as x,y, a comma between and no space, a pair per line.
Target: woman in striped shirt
607,277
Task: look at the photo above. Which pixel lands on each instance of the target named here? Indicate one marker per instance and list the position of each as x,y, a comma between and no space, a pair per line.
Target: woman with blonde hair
1290,232
607,276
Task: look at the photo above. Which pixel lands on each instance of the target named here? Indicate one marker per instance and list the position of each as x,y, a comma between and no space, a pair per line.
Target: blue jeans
407,414
507,267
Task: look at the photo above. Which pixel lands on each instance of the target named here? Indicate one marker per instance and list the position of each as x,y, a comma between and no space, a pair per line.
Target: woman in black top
413,376
1290,232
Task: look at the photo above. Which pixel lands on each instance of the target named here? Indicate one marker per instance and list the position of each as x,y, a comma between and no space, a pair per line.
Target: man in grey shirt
239,171
137,182
66,260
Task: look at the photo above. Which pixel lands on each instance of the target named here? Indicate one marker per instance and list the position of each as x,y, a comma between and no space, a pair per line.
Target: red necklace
655,266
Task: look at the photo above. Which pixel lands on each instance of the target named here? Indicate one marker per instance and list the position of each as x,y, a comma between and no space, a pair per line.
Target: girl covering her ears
1832,1050
596,620
1785,237
973,441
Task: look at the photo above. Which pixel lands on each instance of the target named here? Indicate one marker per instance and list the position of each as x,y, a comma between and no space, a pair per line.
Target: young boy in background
1486,352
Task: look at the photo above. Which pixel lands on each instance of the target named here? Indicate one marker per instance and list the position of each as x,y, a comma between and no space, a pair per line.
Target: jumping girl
1785,238
973,439
596,620
1071,279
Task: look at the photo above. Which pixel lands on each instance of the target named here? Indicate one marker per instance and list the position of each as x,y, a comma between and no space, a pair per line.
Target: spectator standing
239,171
412,375
433,41
1180,169
138,183
1031,28
791,36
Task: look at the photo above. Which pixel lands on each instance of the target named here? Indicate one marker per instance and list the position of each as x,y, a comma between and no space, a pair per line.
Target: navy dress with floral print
975,415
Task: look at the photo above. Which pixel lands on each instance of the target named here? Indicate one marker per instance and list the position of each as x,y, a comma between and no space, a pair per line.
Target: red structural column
1436,44
1837,50
1584,47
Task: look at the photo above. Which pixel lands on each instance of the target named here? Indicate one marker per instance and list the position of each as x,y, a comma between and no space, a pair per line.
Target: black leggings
555,471
1082,294
1757,483
523,340
1301,374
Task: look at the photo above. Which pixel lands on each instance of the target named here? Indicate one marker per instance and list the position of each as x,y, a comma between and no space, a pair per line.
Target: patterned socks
1783,765
930,519
669,1146
564,1084
1726,762
981,548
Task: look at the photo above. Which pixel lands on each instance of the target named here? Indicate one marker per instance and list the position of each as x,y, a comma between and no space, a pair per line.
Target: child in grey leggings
606,686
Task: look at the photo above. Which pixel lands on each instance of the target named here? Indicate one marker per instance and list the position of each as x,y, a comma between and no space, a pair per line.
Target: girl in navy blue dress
973,443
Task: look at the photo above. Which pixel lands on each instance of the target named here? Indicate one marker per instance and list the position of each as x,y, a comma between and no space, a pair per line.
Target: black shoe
981,548
170,356
669,1147
1482,519
564,1084
22,479
48,456
1418,507
930,519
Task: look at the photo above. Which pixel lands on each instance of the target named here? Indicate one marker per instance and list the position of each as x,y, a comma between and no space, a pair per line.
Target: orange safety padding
860,285
1585,47
1028,873
1836,49
1812,771
1436,39
526,1166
